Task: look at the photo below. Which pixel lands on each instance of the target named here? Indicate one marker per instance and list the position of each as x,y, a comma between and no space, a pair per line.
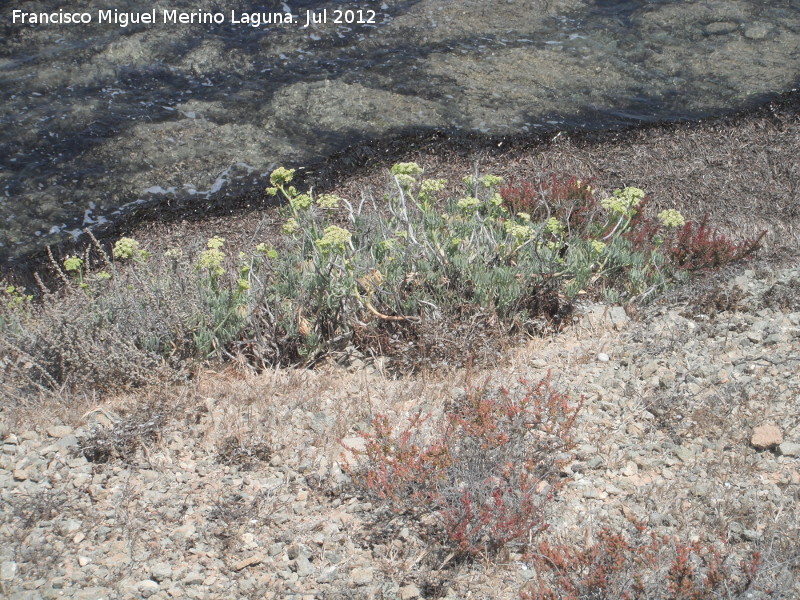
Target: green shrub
416,276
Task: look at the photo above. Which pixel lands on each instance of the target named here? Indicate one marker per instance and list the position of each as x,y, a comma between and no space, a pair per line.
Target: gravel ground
232,487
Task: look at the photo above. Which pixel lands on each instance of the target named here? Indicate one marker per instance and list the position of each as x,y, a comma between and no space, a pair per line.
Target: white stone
789,449
8,570
147,588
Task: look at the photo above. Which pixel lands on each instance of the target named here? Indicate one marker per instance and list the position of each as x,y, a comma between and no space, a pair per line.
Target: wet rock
721,27
757,31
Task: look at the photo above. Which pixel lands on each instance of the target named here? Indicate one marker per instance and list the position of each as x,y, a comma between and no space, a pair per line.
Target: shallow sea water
98,118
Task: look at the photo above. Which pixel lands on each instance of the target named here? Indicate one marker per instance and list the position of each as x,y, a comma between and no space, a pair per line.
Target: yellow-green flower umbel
334,239
428,190
128,248
328,201
125,248
216,242
491,181
406,173
281,176
211,260
598,246
671,218
520,232
291,226
431,186
554,226
267,251
468,204
73,263
406,168
623,201
300,202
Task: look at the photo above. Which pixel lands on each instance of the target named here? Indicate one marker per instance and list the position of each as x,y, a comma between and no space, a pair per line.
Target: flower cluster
211,260
554,226
128,248
300,202
291,226
73,263
491,181
406,173
267,251
671,218
281,176
431,186
428,189
623,201
496,200
520,232
469,204
328,201
406,168
14,297
335,239
174,254
216,242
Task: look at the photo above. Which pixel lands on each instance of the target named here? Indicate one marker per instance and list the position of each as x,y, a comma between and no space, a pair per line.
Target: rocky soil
231,487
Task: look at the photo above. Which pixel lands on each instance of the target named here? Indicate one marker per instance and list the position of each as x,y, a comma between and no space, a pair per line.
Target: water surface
96,118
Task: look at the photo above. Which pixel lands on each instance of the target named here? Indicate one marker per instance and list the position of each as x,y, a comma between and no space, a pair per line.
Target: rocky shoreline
231,487
738,169
101,119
